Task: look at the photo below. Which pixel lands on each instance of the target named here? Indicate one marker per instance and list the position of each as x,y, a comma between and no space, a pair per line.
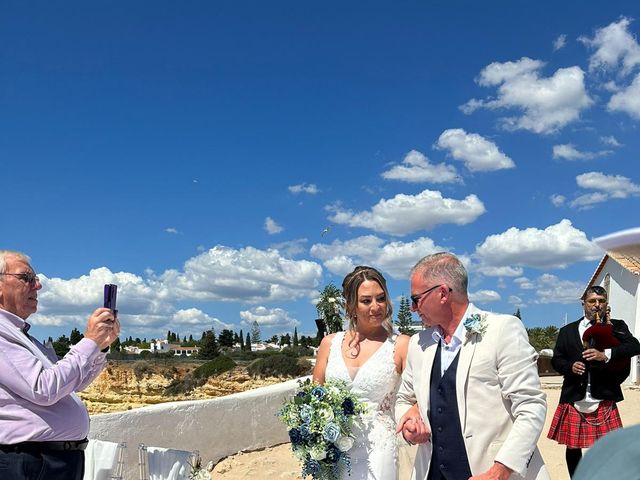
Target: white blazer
500,403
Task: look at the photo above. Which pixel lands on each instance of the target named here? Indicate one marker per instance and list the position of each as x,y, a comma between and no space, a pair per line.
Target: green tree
273,339
208,346
543,337
247,343
330,307
285,340
168,335
242,347
295,337
61,346
226,338
255,332
75,336
404,316
517,314
115,346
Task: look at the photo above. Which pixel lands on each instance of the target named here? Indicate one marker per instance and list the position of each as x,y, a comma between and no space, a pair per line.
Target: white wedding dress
374,455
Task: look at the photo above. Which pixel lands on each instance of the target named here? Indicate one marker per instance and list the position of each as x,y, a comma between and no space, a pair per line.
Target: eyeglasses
416,298
27,277
593,301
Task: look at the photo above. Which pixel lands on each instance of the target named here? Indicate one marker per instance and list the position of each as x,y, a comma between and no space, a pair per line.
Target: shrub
141,368
218,365
279,366
199,376
241,355
298,351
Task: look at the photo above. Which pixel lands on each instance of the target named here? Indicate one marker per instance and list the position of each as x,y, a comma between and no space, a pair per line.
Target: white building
619,274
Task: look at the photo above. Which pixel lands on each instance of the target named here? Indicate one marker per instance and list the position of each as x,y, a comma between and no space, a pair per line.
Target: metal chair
104,460
166,463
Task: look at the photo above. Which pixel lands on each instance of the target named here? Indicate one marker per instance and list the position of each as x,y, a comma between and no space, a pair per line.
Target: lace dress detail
374,455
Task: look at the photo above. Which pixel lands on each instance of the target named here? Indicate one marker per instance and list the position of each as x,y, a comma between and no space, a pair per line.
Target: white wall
217,428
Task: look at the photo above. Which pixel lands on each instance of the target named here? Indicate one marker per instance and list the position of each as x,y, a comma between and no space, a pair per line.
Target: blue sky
195,152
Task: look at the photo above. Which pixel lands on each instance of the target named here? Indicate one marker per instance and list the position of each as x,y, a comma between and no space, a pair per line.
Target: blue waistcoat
449,458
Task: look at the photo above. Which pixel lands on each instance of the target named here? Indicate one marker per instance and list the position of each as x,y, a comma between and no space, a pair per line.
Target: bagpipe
600,336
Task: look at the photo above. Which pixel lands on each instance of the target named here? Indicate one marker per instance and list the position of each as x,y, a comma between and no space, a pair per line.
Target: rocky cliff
126,385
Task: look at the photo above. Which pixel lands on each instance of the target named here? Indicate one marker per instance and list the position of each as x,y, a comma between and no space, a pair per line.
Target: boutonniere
475,323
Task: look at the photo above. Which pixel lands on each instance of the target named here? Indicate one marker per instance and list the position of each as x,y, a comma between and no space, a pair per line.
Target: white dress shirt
588,404
448,351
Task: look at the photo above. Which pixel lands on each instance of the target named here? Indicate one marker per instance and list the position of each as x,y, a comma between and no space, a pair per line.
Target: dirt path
279,463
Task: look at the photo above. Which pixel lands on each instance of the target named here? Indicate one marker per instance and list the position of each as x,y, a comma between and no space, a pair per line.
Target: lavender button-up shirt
37,399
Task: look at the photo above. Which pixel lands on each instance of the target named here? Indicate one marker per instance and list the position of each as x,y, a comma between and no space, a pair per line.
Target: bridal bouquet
320,419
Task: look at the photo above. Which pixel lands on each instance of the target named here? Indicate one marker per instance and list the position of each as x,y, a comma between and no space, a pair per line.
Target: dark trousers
52,465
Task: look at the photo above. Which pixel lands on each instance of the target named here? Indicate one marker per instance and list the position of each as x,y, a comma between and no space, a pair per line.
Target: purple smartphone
110,294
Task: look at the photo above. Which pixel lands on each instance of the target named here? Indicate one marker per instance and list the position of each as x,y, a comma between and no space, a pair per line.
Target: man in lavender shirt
43,423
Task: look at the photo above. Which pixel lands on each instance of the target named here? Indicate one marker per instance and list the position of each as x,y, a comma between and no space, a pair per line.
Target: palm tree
330,308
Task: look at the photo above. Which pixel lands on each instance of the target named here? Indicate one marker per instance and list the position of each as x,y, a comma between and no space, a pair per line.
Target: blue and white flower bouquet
320,419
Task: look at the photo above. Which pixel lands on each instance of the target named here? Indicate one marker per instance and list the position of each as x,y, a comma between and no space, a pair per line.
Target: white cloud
588,199
291,248
569,152
551,289
268,318
614,45
70,302
627,100
559,42
171,230
504,271
149,304
245,275
195,320
606,186
611,141
484,296
477,153
271,226
405,214
516,301
415,168
554,247
310,188
547,104
557,200
616,185
524,283
393,258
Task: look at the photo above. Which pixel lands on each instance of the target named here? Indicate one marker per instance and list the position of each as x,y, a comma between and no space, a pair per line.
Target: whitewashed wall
217,428
623,299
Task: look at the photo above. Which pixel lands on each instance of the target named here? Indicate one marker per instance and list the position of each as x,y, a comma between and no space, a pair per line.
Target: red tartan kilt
580,430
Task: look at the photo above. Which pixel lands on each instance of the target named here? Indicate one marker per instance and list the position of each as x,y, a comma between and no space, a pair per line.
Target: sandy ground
279,463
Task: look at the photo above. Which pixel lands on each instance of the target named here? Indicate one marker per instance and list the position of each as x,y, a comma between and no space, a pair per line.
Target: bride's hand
412,427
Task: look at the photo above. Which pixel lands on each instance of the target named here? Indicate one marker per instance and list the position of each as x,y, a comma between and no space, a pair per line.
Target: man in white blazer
473,374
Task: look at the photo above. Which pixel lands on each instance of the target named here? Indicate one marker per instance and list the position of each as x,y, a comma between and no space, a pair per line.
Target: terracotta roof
628,258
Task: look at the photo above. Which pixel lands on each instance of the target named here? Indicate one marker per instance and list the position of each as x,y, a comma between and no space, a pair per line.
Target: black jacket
605,384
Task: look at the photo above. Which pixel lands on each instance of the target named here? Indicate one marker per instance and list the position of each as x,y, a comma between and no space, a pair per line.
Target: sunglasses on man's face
593,301
27,277
415,299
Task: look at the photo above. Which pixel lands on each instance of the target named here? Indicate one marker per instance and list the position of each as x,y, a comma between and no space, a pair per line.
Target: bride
370,357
